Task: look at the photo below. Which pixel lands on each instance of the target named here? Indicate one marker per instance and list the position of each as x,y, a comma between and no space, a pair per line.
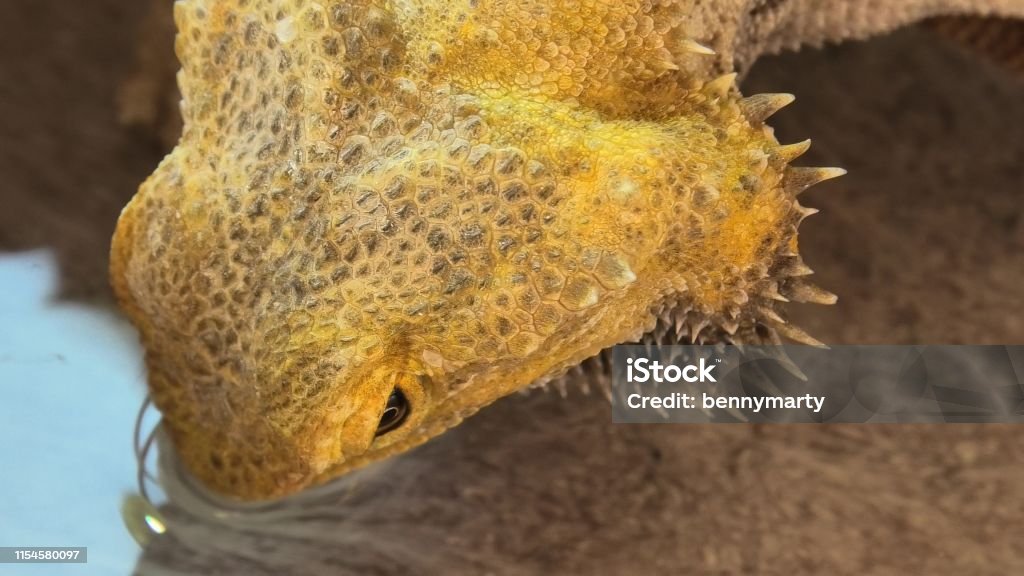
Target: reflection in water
142,519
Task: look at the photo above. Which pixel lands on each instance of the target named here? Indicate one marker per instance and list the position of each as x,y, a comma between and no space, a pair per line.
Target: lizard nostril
395,412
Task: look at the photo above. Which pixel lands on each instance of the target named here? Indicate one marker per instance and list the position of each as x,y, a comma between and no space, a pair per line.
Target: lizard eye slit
395,412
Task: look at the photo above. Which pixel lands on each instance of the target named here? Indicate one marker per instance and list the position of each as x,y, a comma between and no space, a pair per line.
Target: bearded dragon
382,216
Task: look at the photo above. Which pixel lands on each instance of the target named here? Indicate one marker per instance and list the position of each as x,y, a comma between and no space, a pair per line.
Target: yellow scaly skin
454,199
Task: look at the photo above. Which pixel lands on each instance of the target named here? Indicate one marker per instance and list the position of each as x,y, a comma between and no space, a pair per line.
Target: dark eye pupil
395,412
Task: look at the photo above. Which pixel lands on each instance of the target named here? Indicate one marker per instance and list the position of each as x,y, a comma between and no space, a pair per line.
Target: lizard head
383,216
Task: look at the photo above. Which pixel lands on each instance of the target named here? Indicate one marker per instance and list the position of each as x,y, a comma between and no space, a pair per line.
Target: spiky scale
770,315
695,47
805,212
760,107
807,292
697,326
729,325
680,325
798,179
795,268
771,291
779,354
796,334
790,152
720,87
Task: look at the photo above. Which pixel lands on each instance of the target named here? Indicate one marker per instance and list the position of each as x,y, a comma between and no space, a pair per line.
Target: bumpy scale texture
455,199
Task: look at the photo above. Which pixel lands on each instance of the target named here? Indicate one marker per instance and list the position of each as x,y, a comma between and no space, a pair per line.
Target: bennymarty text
702,383
642,370
684,383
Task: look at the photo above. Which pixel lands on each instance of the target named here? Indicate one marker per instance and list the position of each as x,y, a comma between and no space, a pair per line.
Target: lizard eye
395,412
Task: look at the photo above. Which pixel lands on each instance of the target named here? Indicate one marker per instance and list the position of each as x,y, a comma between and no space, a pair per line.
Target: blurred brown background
923,241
